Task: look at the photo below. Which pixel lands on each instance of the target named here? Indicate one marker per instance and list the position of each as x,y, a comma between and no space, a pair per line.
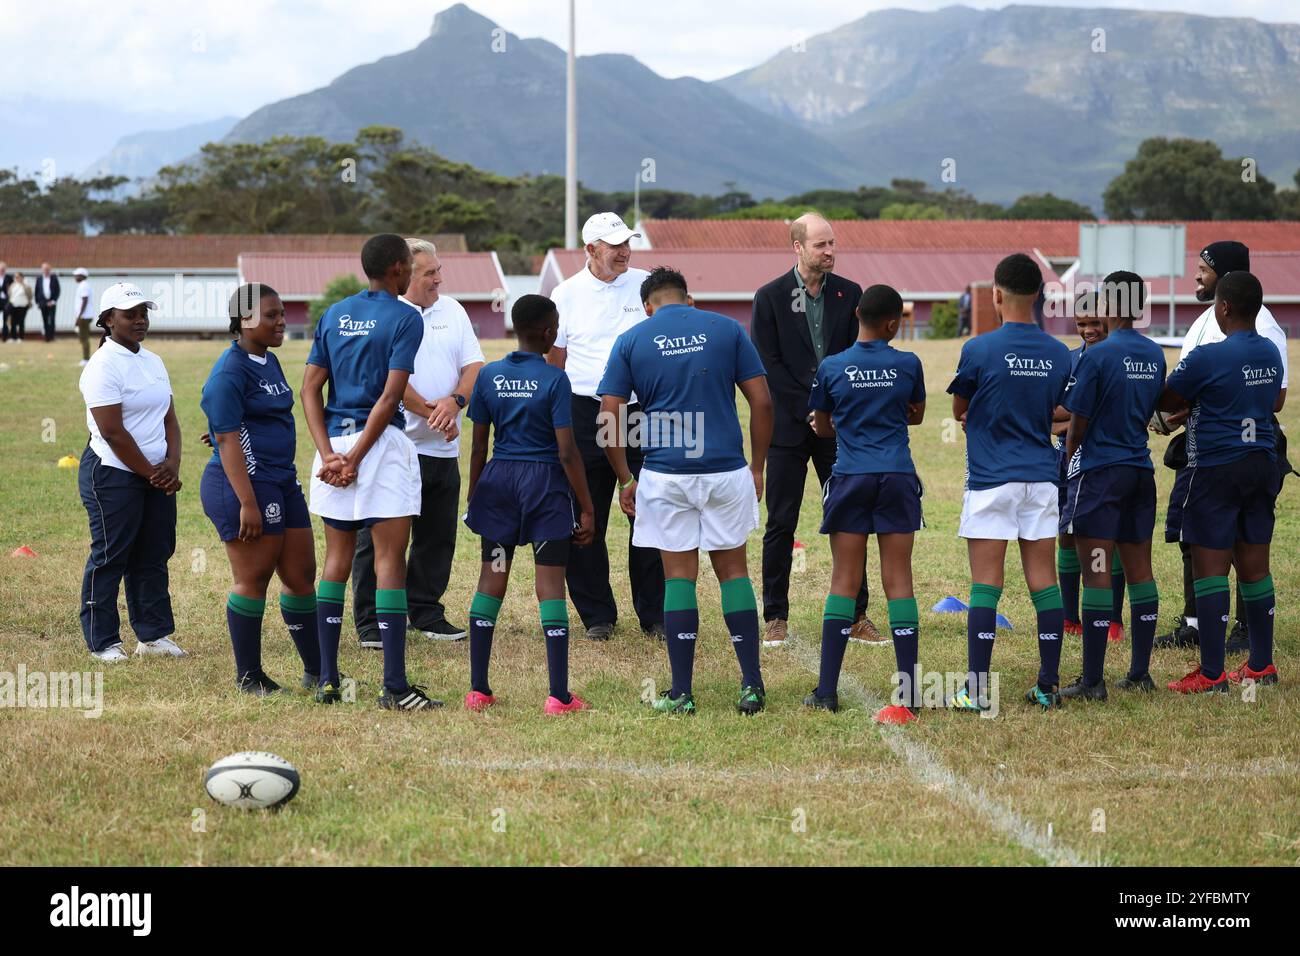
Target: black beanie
1226,256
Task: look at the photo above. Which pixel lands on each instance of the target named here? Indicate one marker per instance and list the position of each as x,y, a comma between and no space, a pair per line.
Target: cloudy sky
198,58
158,64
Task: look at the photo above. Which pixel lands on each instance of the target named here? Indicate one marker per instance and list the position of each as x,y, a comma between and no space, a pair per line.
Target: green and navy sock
837,622
329,624
299,613
981,632
1067,569
555,627
1096,628
390,609
1051,633
1116,589
905,624
1212,599
483,611
244,619
1260,607
740,611
681,623
1144,608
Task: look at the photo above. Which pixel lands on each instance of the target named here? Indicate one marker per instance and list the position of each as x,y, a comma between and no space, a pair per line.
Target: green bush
943,321
336,290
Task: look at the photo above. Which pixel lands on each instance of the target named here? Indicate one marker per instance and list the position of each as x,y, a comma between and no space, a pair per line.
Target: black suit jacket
780,333
4,289
40,289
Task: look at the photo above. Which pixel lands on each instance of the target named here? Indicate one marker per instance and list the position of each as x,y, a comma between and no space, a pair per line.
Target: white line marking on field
658,771
931,772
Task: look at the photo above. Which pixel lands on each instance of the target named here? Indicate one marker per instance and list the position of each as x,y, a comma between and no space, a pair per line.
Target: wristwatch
460,399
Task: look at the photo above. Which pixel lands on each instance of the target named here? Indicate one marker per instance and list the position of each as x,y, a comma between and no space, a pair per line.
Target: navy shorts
519,502
884,503
1231,503
1114,503
1177,495
282,503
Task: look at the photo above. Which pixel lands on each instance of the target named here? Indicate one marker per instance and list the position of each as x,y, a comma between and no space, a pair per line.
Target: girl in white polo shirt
128,481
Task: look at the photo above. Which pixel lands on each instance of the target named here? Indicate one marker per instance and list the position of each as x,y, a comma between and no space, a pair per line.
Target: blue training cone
950,605
1004,623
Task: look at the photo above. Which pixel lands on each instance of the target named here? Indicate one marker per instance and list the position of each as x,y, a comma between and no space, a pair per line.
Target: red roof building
474,279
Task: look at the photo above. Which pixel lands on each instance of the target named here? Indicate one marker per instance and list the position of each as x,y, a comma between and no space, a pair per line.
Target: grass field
1155,780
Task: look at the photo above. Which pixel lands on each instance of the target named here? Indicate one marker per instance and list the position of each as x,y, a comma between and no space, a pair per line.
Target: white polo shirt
592,315
1205,331
449,344
138,382
83,300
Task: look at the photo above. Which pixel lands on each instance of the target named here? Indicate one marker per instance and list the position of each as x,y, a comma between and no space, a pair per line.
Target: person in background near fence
20,301
128,479
6,280
597,304
83,314
799,318
963,313
1216,260
446,366
250,490
47,299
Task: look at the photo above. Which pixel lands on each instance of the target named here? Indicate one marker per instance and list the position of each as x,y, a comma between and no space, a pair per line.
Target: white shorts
387,483
1018,509
715,512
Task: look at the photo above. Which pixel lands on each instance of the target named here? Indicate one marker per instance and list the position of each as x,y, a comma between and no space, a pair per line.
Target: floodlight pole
571,144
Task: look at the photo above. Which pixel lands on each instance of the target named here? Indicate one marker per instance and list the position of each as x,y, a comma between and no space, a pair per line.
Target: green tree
943,321
911,210
336,290
1047,206
1187,179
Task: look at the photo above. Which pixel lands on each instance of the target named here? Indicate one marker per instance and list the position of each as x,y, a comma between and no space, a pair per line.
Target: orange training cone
23,552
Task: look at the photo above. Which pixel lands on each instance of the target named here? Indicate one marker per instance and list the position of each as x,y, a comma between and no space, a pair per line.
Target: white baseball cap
607,227
123,295
85,274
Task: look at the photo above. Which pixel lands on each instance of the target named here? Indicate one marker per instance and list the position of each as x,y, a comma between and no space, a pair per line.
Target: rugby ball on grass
252,780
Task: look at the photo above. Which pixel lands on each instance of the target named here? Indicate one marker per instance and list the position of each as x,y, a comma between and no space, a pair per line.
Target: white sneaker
111,654
163,647
83,363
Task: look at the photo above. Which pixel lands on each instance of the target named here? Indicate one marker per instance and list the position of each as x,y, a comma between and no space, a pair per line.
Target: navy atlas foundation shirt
1116,386
524,400
867,389
684,365
248,394
359,341
1233,386
1014,378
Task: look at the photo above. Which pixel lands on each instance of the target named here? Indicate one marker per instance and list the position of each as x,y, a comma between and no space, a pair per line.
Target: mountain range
1006,102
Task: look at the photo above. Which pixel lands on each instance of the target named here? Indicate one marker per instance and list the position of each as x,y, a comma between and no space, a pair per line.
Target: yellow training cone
68,461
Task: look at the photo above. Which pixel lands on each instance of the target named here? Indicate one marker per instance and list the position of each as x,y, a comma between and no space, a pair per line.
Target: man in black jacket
800,317
47,299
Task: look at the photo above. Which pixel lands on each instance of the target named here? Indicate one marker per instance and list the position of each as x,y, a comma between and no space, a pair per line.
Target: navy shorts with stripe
884,503
282,504
1177,495
1114,503
519,502
1231,503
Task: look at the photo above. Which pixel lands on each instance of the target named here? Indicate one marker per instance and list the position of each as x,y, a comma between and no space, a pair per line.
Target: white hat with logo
123,295
607,227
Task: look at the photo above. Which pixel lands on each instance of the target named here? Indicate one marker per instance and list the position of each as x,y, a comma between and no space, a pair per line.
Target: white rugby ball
1159,423
252,780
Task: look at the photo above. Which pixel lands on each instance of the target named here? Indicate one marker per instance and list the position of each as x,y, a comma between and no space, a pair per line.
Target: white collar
122,349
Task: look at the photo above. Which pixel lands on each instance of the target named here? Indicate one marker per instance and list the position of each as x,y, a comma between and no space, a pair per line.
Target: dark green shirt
814,309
